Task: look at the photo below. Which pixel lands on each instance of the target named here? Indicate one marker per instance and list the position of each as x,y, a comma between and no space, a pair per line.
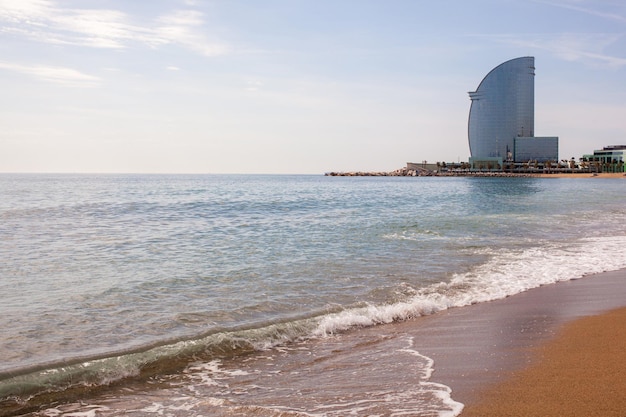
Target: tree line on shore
493,168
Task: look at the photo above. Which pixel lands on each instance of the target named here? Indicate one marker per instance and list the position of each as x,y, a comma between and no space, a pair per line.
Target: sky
292,86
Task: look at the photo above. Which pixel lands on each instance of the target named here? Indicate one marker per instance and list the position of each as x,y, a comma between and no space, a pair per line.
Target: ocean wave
25,389
507,272
415,235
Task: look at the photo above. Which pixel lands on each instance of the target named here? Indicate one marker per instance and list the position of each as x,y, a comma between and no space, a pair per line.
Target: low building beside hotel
540,149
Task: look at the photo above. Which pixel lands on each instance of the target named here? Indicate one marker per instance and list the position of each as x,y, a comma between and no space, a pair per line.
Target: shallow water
195,287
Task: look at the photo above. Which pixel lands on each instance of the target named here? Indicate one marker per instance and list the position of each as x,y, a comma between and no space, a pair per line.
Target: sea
248,295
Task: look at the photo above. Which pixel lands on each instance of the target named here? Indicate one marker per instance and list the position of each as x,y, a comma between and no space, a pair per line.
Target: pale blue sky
291,86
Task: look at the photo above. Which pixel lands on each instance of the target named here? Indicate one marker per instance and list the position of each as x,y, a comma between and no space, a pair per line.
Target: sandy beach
551,351
579,373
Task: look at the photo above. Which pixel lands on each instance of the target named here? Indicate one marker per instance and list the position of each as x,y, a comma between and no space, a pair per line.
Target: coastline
403,172
472,350
478,348
586,175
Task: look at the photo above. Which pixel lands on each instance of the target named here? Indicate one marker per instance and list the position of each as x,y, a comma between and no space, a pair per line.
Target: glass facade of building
540,149
608,159
608,154
503,108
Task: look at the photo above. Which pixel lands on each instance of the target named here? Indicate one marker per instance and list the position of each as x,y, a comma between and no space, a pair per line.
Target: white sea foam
415,235
211,373
447,407
86,411
508,272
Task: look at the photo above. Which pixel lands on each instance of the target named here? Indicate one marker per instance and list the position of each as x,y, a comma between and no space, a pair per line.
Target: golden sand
581,373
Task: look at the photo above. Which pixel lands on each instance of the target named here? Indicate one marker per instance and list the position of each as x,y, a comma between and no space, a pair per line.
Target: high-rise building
501,123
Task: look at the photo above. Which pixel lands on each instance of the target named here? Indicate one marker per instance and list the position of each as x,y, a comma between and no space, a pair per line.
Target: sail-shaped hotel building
501,124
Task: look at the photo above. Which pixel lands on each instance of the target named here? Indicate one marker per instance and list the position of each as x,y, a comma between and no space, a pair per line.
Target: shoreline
410,173
579,373
472,350
479,347
585,175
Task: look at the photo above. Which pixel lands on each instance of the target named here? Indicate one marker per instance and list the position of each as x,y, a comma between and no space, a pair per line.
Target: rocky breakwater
402,172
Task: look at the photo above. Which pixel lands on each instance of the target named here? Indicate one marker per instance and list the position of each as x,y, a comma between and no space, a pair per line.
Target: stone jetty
404,172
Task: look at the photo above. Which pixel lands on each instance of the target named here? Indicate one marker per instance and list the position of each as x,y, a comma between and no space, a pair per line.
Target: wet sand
484,348
580,373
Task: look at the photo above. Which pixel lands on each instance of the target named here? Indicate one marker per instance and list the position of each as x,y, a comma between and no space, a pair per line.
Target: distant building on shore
501,126
608,154
608,159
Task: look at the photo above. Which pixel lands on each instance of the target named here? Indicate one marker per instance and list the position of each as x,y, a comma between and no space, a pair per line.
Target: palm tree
548,165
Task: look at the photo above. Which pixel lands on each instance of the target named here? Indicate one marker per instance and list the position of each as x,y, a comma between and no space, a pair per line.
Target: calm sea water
190,295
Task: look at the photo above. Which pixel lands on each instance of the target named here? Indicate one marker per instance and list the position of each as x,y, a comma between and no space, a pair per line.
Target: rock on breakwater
402,172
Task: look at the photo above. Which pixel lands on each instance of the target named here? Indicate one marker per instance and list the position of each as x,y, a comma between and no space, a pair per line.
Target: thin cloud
45,21
58,75
593,12
182,27
586,48
183,18
19,10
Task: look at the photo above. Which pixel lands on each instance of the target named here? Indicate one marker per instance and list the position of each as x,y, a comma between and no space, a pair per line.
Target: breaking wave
507,272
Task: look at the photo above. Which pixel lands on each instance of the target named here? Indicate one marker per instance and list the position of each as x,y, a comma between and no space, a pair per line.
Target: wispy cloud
616,16
24,9
587,48
46,21
183,27
59,75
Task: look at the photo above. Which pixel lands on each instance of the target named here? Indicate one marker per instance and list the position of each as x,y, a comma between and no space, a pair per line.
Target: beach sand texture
483,347
580,373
